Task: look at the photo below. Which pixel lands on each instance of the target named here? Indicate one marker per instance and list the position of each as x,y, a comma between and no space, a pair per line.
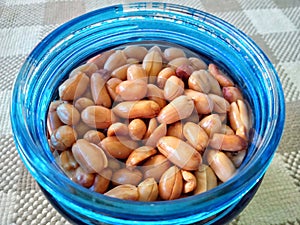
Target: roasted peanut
98,88
176,62
94,136
226,129
170,184
228,142
215,87
102,181
180,153
206,179
53,122
184,71
63,138
244,114
159,132
148,190
178,109
197,63
118,147
176,130
152,64
131,90
199,81
173,53
203,104
174,88
140,154
137,129
97,116
152,125
83,178
111,85
100,59
211,124
137,52
115,60
137,109
124,191
155,166
90,157
117,129
196,136
232,94
156,94
87,68
67,160
120,72
73,87
127,176
163,75
68,114
223,80
136,72
83,102
81,128
189,181
221,105
221,164
114,164
237,157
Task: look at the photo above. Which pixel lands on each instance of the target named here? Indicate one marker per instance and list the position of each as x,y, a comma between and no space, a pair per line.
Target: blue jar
104,29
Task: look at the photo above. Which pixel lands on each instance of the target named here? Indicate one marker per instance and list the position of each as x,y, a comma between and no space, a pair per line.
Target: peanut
68,114
221,164
196,136
137,129
98,88
180,153
140,154
137,109
170,184
178,109
90,157
124,191
131,90
127,176
155,166
174,88
118,147
73,87
148,190
97,116
63,138
115,60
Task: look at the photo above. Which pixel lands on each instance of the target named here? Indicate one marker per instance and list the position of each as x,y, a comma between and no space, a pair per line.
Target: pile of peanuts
148,124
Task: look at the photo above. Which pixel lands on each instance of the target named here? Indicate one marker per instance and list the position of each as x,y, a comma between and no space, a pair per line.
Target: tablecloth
273,24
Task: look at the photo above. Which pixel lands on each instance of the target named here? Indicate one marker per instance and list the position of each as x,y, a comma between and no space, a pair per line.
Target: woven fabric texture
273,24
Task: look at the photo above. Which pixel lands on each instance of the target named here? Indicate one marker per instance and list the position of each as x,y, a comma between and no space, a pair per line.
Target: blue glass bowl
103,29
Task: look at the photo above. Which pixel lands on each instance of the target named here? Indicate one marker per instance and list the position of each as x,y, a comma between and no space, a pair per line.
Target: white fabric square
292,69
21,40
21,2
270,21
5,100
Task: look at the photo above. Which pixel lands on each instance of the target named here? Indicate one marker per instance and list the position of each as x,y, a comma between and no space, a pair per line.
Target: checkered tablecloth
273,24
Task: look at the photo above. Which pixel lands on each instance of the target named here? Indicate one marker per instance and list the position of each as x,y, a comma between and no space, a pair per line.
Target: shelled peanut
148,124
